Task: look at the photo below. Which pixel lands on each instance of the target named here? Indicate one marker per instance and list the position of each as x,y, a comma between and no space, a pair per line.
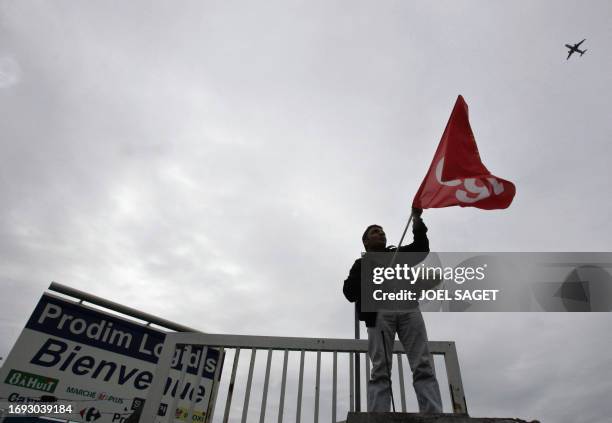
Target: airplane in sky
574,49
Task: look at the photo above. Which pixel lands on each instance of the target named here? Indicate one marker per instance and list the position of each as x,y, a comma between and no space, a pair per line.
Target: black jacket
352,284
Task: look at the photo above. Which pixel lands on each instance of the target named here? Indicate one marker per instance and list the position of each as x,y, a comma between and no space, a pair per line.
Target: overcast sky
215,163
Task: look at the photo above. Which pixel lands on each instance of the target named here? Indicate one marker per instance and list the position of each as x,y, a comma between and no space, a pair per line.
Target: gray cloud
226,157
9,72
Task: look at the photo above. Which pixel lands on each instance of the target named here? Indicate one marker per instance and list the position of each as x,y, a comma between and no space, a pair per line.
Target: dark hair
365,234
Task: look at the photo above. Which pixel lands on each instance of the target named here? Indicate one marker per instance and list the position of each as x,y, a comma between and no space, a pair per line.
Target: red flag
456,176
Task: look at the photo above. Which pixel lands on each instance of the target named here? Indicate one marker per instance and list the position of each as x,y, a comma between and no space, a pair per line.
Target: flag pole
358,366
401,240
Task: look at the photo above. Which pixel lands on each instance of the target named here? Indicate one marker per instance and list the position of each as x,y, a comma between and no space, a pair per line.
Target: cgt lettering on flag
457,176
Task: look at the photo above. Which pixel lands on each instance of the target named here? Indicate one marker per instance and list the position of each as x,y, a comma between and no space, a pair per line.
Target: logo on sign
90,414
137,403
31,381
16,397
81,392
103,396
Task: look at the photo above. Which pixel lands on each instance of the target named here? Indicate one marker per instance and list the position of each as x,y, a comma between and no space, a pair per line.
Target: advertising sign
98,366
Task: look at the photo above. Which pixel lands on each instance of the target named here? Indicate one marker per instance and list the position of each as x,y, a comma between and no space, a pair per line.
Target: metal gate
348,348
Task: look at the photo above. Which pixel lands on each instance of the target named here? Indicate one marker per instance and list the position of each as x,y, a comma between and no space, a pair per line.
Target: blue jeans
410,329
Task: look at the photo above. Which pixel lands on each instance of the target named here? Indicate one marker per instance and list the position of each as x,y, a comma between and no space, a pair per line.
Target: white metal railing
357,348
285,345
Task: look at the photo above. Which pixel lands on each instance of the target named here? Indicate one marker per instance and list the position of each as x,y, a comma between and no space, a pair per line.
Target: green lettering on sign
32,381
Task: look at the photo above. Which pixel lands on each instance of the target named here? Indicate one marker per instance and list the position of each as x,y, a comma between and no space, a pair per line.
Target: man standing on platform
382,327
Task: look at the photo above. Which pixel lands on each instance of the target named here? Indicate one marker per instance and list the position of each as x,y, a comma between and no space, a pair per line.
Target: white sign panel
99,364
